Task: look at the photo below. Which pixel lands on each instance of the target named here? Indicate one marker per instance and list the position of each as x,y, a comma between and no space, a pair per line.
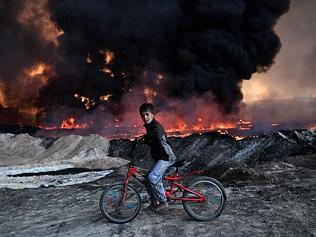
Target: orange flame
88,103
36,70
70,123
105,97
38,75
108,71
108,55
237,138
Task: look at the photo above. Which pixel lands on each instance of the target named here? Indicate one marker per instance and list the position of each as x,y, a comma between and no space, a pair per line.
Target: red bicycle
203,199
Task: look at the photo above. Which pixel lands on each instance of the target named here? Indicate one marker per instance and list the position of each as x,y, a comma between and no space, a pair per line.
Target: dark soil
271,199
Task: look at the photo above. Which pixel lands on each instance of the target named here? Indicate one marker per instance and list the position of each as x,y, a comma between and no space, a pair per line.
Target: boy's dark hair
147,107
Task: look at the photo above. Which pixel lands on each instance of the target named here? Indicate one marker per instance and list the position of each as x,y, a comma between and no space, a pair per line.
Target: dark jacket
156,138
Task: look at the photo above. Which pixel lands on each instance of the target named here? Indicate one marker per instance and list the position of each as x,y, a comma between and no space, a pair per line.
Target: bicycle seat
179,163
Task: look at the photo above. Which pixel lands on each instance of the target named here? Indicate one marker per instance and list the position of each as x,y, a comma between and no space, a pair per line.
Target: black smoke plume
200,47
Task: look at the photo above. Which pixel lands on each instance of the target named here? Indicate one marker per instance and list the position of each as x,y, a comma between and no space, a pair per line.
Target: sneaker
161,206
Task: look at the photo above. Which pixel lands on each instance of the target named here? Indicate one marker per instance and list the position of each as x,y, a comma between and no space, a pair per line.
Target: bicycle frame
172,180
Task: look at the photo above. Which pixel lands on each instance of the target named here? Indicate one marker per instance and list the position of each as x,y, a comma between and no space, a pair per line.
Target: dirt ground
279,200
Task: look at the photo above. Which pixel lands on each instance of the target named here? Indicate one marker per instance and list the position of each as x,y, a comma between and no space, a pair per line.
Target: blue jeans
155,177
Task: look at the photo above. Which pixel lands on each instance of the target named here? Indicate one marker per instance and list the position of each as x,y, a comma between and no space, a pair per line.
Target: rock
210,150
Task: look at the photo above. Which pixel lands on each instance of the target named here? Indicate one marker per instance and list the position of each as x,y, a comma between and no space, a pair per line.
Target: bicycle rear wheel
214,204
112,208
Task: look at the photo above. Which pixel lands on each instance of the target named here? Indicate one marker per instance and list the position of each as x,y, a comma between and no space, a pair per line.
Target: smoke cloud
25,48
112,50
293,74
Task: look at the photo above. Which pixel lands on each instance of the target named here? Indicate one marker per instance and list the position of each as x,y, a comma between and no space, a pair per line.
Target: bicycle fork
124,190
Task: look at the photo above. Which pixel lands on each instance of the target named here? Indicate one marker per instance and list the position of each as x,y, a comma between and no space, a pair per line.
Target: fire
181,128
70,123
219,126
105,97
108,71
313,127
38,75
36,70
88,103
22,100
108,55
237,138
34,78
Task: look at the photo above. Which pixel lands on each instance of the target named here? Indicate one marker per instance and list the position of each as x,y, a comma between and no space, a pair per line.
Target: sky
293,74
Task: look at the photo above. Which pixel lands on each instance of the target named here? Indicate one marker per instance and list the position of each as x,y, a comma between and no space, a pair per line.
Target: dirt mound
22,154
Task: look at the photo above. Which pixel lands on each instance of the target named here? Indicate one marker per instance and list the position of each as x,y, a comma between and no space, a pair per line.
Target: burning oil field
232,80
85,67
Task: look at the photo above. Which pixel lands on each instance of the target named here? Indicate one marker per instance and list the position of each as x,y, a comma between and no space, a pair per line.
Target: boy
160,151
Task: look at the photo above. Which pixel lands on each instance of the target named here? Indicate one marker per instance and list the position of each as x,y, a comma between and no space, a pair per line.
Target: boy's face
147,116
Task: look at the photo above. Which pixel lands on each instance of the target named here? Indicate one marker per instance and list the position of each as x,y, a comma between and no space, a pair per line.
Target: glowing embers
108,71
40,69
70,123
105,97
238,138
33,78
149,94
203,125
108,57
37,76
244,125
90,103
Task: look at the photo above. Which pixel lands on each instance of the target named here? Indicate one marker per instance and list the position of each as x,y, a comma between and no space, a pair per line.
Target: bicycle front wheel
214,203
116,210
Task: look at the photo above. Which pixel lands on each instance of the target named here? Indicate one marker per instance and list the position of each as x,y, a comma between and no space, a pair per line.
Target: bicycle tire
215,194
110,199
